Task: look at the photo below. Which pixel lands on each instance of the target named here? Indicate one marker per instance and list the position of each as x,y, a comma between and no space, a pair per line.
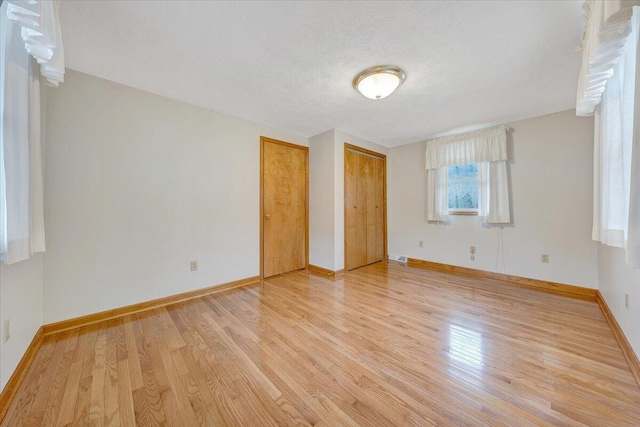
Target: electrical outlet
626,301
6,330
420,244
544,258
472,250
194,265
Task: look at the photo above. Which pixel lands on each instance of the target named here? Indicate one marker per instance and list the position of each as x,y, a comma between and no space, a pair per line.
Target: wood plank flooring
383,345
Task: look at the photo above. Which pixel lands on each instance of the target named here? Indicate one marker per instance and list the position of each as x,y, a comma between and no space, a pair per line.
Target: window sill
469,213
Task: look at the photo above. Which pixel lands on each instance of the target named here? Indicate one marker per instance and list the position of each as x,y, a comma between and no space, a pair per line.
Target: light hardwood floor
382,345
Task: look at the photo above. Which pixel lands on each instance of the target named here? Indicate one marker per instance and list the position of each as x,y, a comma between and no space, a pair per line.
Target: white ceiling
290,64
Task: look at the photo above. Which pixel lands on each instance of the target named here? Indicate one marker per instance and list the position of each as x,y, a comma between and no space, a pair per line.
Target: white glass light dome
378,82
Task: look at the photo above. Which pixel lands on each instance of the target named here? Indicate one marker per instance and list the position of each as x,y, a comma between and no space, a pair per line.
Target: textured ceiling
290,64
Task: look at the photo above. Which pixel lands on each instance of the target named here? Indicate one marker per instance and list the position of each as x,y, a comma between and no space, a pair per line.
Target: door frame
347,146
263,140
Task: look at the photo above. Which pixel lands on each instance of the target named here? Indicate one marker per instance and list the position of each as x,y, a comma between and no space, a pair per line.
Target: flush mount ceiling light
378,82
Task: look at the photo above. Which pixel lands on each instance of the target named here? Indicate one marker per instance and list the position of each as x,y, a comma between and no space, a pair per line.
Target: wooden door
371,207
284,207
356,210
381,209
352,253
365,207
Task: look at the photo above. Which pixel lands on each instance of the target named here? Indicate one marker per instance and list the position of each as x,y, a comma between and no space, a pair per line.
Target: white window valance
487,145
488,148
41,34
607,28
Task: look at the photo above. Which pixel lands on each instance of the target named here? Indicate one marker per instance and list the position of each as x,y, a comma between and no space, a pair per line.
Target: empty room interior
358,213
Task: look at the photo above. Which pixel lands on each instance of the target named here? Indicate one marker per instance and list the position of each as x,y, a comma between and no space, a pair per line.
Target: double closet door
365,207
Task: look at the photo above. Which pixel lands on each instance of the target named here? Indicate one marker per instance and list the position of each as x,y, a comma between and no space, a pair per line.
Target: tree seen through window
463,187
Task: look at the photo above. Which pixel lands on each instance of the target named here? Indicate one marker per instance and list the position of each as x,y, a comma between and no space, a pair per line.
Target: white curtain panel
493,193
438,195
21,186
633,75
486,147
611,42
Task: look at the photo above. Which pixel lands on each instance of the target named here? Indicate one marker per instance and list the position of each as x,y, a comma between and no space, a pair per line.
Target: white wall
21,303
137,186
340,139
321,200
551,184
615,279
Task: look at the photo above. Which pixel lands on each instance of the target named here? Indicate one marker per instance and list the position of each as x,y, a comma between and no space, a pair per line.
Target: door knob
267,216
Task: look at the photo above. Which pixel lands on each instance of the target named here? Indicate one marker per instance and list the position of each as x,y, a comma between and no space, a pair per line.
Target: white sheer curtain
486,147
493,193
609,86
28,30
438,195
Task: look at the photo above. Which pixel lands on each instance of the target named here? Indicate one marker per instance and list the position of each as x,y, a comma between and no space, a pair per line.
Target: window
467,174
463,189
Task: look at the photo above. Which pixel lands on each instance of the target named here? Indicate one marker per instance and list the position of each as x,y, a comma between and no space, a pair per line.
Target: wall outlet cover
6,330
626,301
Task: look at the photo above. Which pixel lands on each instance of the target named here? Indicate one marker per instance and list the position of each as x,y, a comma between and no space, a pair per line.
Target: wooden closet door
360,246
370,182
380,178
284,207
350,208
364,209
